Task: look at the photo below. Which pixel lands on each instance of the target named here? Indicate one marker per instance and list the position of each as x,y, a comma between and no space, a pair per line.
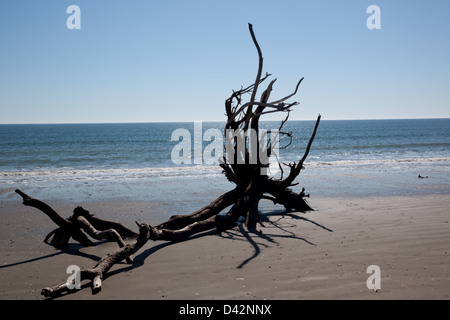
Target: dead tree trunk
251,179
245,164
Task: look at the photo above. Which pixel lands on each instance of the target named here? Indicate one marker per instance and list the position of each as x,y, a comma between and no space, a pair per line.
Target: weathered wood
102,224
241,115
108,234
181,221
66,229
45,208
97,273
251,185
297,167
81,220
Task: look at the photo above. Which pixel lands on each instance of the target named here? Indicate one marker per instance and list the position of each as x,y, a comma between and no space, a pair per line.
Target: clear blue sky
146,61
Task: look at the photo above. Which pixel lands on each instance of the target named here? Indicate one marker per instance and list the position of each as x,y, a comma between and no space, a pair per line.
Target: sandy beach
318,255
141,111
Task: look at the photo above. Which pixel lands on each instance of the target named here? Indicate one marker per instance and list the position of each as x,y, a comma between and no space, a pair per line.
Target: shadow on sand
279,221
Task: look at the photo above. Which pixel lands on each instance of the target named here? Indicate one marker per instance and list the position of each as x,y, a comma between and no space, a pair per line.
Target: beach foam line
378,161
199,170
123,172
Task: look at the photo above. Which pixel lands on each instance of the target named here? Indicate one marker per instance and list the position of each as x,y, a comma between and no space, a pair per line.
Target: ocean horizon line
215,121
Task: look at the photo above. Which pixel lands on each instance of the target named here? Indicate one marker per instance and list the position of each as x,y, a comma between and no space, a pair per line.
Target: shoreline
322,254
200,185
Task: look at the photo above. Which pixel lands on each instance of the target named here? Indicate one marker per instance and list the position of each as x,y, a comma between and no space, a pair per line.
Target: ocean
134,161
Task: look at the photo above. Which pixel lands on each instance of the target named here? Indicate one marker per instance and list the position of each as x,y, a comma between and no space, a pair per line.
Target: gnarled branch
251,180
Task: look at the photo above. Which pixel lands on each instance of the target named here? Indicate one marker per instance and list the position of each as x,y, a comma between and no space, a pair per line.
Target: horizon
178,61
209,121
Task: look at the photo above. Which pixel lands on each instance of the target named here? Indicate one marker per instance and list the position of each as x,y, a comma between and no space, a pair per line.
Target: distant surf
137,155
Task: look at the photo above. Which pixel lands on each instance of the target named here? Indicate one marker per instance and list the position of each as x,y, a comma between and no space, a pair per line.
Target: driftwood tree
245,165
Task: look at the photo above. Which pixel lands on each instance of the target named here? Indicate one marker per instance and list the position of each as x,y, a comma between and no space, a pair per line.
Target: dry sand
318,255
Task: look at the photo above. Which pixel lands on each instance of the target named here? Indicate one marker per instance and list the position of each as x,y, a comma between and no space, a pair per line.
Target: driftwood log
80,220
97,273
244,167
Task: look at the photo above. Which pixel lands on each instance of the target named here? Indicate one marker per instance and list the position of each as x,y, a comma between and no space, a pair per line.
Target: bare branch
297,167
260,65
250,177
291,95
